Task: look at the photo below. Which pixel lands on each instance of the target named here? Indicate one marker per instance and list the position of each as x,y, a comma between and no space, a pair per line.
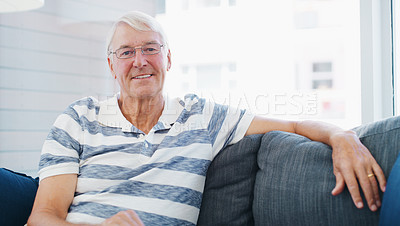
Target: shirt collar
111,116
171,112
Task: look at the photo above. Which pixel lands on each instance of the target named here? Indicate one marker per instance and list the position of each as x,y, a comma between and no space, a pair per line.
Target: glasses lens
125,52
151,49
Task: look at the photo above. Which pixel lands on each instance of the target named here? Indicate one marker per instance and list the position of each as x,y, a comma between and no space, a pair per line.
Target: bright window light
292,59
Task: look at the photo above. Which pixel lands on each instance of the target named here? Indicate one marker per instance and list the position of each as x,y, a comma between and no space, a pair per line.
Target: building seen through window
287,55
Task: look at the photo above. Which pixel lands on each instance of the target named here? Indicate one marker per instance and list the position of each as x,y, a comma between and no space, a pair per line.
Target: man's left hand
353,162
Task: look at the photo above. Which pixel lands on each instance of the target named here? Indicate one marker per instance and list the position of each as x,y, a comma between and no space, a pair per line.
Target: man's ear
169,60
110,65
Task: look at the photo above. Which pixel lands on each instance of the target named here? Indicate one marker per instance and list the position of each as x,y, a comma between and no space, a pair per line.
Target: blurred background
291,59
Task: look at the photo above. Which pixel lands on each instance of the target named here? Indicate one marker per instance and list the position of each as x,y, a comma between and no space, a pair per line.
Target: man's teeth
142,76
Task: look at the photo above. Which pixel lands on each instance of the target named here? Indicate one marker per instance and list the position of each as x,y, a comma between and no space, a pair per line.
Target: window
322,67
322,75
208,77
290,48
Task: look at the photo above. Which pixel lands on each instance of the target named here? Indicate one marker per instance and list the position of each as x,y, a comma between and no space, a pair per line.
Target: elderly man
141,158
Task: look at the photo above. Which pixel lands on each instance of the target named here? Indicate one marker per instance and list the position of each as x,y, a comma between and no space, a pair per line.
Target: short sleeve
227,125
61,149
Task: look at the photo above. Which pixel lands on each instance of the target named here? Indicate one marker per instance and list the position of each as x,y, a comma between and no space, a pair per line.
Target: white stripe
55,148
59,169
65,121
83,218
117,159
91,184
173,178
100,140
196,150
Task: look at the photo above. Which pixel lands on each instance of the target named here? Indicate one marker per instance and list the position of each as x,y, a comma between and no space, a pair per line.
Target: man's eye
150,49
127,53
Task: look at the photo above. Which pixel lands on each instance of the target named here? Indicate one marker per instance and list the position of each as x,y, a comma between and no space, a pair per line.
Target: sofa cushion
228,193
294,184
382,138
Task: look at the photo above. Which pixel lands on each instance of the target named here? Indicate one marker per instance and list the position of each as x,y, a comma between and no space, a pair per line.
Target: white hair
140,22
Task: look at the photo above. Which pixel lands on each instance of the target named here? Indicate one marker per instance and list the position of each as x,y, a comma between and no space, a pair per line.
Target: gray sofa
285,179
272,179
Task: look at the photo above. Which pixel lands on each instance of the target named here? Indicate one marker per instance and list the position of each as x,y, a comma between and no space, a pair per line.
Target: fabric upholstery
296,177
382,138
294,183
227,198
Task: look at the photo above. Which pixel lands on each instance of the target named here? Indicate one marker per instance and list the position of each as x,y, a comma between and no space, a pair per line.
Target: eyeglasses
129,52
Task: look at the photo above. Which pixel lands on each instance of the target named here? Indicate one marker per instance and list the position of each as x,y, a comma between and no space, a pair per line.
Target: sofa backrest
289,179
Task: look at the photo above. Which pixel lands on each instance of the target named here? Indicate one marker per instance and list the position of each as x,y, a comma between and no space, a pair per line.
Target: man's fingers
367,187
340,184
352,185
132,214
380,176
128,217
375,189
358,168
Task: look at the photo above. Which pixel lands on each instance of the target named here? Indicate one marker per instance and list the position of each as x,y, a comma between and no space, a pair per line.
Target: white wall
48,58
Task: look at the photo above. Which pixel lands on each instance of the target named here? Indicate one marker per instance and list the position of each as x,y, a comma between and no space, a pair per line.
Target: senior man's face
141,76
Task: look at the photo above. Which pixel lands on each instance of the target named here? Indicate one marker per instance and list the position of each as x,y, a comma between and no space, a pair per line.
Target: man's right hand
128,217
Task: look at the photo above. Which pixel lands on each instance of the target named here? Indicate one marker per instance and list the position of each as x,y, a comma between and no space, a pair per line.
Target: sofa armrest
295,180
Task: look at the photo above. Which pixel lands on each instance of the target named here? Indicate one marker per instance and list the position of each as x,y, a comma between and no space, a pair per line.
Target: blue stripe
135,148
155,219
72,113
108,172
88,102
164,192
178,163
184,164
95,127
186,138
190,96
217,119
63,138
106,211
49,160
95,209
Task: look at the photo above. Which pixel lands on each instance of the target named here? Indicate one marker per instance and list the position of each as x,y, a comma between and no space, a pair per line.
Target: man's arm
55,195
53,198
351,159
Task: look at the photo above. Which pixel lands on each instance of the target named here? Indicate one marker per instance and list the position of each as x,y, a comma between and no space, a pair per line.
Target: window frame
377,99
396,55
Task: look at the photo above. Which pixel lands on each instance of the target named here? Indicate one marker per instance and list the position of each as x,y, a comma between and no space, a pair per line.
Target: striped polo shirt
160,175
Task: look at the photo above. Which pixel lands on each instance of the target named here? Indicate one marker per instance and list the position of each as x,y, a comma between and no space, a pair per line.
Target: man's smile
142,76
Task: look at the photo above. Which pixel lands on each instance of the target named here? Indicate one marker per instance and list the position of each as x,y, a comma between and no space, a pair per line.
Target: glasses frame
134,50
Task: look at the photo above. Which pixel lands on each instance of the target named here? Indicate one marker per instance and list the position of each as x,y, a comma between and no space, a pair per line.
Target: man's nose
139,60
